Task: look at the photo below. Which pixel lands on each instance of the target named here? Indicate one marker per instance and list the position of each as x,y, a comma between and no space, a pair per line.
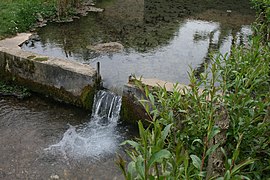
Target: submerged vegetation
219,133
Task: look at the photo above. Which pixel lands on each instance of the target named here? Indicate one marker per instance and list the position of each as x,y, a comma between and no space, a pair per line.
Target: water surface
162,39
28,128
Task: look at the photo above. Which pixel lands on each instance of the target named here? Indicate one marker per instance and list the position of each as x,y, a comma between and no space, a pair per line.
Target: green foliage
262,27
246,83
20,15
183,123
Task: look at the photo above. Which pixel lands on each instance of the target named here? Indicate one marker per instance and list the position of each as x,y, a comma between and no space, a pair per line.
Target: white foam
98,137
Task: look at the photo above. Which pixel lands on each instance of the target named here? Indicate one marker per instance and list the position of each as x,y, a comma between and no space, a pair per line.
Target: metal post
98,75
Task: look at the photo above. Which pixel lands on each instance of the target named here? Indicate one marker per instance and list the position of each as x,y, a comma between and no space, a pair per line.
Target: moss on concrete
2,64
61,95
87,97
131,111
41,59
31,57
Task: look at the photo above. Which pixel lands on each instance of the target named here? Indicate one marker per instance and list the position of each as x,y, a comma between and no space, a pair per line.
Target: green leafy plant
226,113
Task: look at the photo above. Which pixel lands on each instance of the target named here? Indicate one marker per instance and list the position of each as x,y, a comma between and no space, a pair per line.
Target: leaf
158,156
140,166
219,178
215,130
227,175
197,140
196,161
122,165
132,143
186,164
212,149
152,99
166,131
131,169
243,164
142,132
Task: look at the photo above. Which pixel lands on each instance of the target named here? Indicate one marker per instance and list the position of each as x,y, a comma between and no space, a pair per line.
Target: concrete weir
132,110
63,80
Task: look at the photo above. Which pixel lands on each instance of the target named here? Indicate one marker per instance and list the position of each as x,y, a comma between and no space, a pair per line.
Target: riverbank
18,16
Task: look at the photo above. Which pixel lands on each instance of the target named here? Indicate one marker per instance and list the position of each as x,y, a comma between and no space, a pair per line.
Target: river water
41,139
161,39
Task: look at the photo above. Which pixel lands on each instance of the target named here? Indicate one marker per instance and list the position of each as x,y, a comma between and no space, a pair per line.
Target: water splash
98,137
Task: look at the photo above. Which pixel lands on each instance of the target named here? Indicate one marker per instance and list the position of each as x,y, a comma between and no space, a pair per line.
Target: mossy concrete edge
63,80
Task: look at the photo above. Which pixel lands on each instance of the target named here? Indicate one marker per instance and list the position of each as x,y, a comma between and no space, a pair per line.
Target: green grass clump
20,15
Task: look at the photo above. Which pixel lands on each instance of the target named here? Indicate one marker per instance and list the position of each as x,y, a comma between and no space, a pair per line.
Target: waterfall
96,138
106,107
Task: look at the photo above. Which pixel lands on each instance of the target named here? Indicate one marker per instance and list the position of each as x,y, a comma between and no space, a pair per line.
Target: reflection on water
161,38
27,127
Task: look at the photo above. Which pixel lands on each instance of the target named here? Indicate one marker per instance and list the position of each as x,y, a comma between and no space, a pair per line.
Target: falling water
96,138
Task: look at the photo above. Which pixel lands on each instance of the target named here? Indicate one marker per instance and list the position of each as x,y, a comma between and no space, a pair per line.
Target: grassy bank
21,15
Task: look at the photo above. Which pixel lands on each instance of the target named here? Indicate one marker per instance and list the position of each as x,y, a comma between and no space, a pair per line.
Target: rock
94,9
107,47
229,12
54,177
34,37
39,17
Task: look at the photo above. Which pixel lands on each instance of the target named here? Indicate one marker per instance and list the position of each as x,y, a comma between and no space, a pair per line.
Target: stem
145,169
156,167
203,157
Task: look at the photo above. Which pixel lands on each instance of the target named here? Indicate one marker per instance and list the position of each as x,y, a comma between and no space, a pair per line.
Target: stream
161,39
41,139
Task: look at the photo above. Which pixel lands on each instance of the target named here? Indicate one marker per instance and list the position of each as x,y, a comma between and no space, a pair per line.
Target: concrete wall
66,81
132,110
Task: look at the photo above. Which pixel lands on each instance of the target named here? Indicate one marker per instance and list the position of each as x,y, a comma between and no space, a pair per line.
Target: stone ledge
61,79
132,110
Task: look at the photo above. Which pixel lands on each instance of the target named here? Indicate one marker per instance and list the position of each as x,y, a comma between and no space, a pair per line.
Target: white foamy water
98,137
